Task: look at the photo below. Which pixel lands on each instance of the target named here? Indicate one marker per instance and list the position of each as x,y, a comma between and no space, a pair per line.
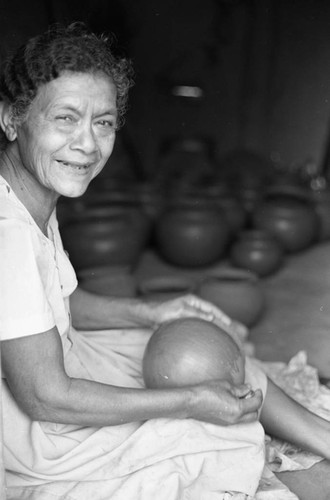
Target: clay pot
190,351
292,220
191,235
238,294
218,195
257,251
106,236
165,287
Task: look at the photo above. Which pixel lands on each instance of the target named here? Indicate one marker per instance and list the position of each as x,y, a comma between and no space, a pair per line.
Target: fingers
192,305
252,403
241,391
241,330
216,315
207,310
244,410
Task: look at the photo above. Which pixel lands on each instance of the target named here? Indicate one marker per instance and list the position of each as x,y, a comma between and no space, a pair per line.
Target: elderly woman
78,421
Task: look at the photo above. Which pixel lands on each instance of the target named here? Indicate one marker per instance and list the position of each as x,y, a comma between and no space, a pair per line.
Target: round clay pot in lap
190,351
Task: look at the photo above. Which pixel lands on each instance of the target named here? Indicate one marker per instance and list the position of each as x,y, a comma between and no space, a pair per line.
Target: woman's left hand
193,306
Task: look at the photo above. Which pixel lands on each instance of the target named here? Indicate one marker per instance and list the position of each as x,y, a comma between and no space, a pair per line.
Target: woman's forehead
77,89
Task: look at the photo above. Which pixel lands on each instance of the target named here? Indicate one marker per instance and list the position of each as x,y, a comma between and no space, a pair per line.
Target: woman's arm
95,312
34,369
286,419
91,311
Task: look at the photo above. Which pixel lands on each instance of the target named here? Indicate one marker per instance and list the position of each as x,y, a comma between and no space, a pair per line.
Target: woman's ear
7,122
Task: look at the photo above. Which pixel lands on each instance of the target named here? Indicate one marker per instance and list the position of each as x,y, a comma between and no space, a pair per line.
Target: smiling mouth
76,166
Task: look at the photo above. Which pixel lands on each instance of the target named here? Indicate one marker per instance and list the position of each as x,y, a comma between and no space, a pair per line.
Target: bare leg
284,418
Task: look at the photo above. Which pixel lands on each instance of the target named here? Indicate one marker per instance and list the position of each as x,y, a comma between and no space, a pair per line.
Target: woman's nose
85,140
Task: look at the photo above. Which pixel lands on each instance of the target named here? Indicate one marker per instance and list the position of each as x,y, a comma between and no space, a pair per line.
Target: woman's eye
65,118
107,124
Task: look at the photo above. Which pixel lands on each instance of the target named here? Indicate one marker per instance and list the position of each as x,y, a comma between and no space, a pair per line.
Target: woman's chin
73,191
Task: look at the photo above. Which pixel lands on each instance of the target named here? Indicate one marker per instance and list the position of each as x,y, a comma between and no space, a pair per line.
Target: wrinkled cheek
39,170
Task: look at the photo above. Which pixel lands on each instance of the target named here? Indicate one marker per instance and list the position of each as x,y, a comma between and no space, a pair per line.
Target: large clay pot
190,351
106,236
238,294
292,220
257,251
192,236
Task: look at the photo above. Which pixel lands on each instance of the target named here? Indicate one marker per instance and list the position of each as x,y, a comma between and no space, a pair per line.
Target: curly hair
45,57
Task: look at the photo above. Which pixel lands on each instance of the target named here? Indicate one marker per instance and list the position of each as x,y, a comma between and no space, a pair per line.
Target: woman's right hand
221,403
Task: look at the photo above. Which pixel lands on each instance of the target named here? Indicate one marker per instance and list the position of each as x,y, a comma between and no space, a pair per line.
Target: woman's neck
37,200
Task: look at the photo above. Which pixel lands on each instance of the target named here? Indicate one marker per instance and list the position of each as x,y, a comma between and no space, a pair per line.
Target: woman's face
69,132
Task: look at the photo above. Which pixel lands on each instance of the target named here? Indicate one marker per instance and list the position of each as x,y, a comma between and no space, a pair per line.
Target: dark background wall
263,67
